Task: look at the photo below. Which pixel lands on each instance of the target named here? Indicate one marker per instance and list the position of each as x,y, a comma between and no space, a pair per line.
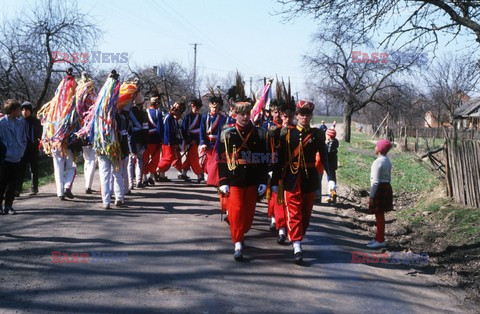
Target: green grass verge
46,174
356,158
461,224
328,120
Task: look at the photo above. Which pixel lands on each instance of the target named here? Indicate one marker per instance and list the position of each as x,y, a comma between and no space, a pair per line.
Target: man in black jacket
34,134
295,176
242,170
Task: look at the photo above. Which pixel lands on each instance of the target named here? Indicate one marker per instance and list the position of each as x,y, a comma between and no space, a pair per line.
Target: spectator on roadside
332,152
381,195
334,124
323,126
359,127
14,136
34,134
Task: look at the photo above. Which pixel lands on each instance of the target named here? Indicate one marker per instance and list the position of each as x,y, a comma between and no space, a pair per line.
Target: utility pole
194,66
251,87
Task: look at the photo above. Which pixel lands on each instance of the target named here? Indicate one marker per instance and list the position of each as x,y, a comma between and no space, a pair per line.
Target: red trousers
277,210
211,167
299,210
223,203
241,203
151,156
192,160
380,222
170,157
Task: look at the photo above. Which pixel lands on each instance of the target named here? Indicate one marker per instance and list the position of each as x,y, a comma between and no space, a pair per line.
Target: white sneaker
376,245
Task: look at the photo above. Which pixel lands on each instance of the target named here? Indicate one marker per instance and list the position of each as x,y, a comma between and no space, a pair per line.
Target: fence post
416,140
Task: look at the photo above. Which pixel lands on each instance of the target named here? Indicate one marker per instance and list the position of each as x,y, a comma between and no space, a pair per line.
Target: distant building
467,116
431,119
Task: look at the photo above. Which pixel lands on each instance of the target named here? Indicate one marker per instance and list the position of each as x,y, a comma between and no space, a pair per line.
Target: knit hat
332,133
383,146
27,105
305,107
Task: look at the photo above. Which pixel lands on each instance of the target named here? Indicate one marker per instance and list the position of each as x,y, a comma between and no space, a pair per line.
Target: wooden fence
440,133
463,171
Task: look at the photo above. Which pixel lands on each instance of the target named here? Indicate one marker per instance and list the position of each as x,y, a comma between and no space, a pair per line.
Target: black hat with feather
242,103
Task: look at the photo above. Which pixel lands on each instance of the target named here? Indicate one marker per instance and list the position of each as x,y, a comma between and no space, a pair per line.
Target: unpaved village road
180,260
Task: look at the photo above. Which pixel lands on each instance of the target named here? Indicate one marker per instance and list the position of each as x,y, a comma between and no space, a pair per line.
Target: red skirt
383,200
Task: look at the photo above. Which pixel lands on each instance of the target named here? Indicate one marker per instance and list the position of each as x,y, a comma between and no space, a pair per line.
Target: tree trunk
48,76
347,126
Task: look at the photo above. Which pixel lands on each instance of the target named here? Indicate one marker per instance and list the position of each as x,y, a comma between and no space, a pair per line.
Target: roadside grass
356,158
425,144
45,172
328,120
409,177
460,223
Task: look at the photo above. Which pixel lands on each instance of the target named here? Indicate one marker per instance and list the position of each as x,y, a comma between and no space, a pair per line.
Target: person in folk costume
57,118
272,127
191,137
171,141
210,128
139,119
295,177
151,156
242,179
107,142
231,94
125,130
228,121
85,97
284,106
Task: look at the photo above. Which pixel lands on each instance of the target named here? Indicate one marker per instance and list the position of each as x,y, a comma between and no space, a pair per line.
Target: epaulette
226,126
226,133
273,130
284,130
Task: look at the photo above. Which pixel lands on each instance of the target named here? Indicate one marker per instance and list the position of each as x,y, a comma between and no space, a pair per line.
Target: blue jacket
155,126
191,128
210,129
170,130
13,134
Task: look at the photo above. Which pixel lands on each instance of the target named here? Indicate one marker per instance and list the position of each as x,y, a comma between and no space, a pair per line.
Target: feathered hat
195,102
242,103
214,99
284,100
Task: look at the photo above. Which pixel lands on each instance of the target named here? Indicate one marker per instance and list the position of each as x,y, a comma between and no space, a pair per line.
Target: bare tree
449,81
55,25
355,84
420,21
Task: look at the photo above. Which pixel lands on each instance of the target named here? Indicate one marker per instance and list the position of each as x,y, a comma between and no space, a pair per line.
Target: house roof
467,109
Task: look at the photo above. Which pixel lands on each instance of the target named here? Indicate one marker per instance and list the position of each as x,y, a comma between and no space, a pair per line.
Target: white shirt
381,172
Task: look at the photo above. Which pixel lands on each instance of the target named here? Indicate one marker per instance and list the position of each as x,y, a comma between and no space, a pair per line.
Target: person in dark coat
295,176
34,134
